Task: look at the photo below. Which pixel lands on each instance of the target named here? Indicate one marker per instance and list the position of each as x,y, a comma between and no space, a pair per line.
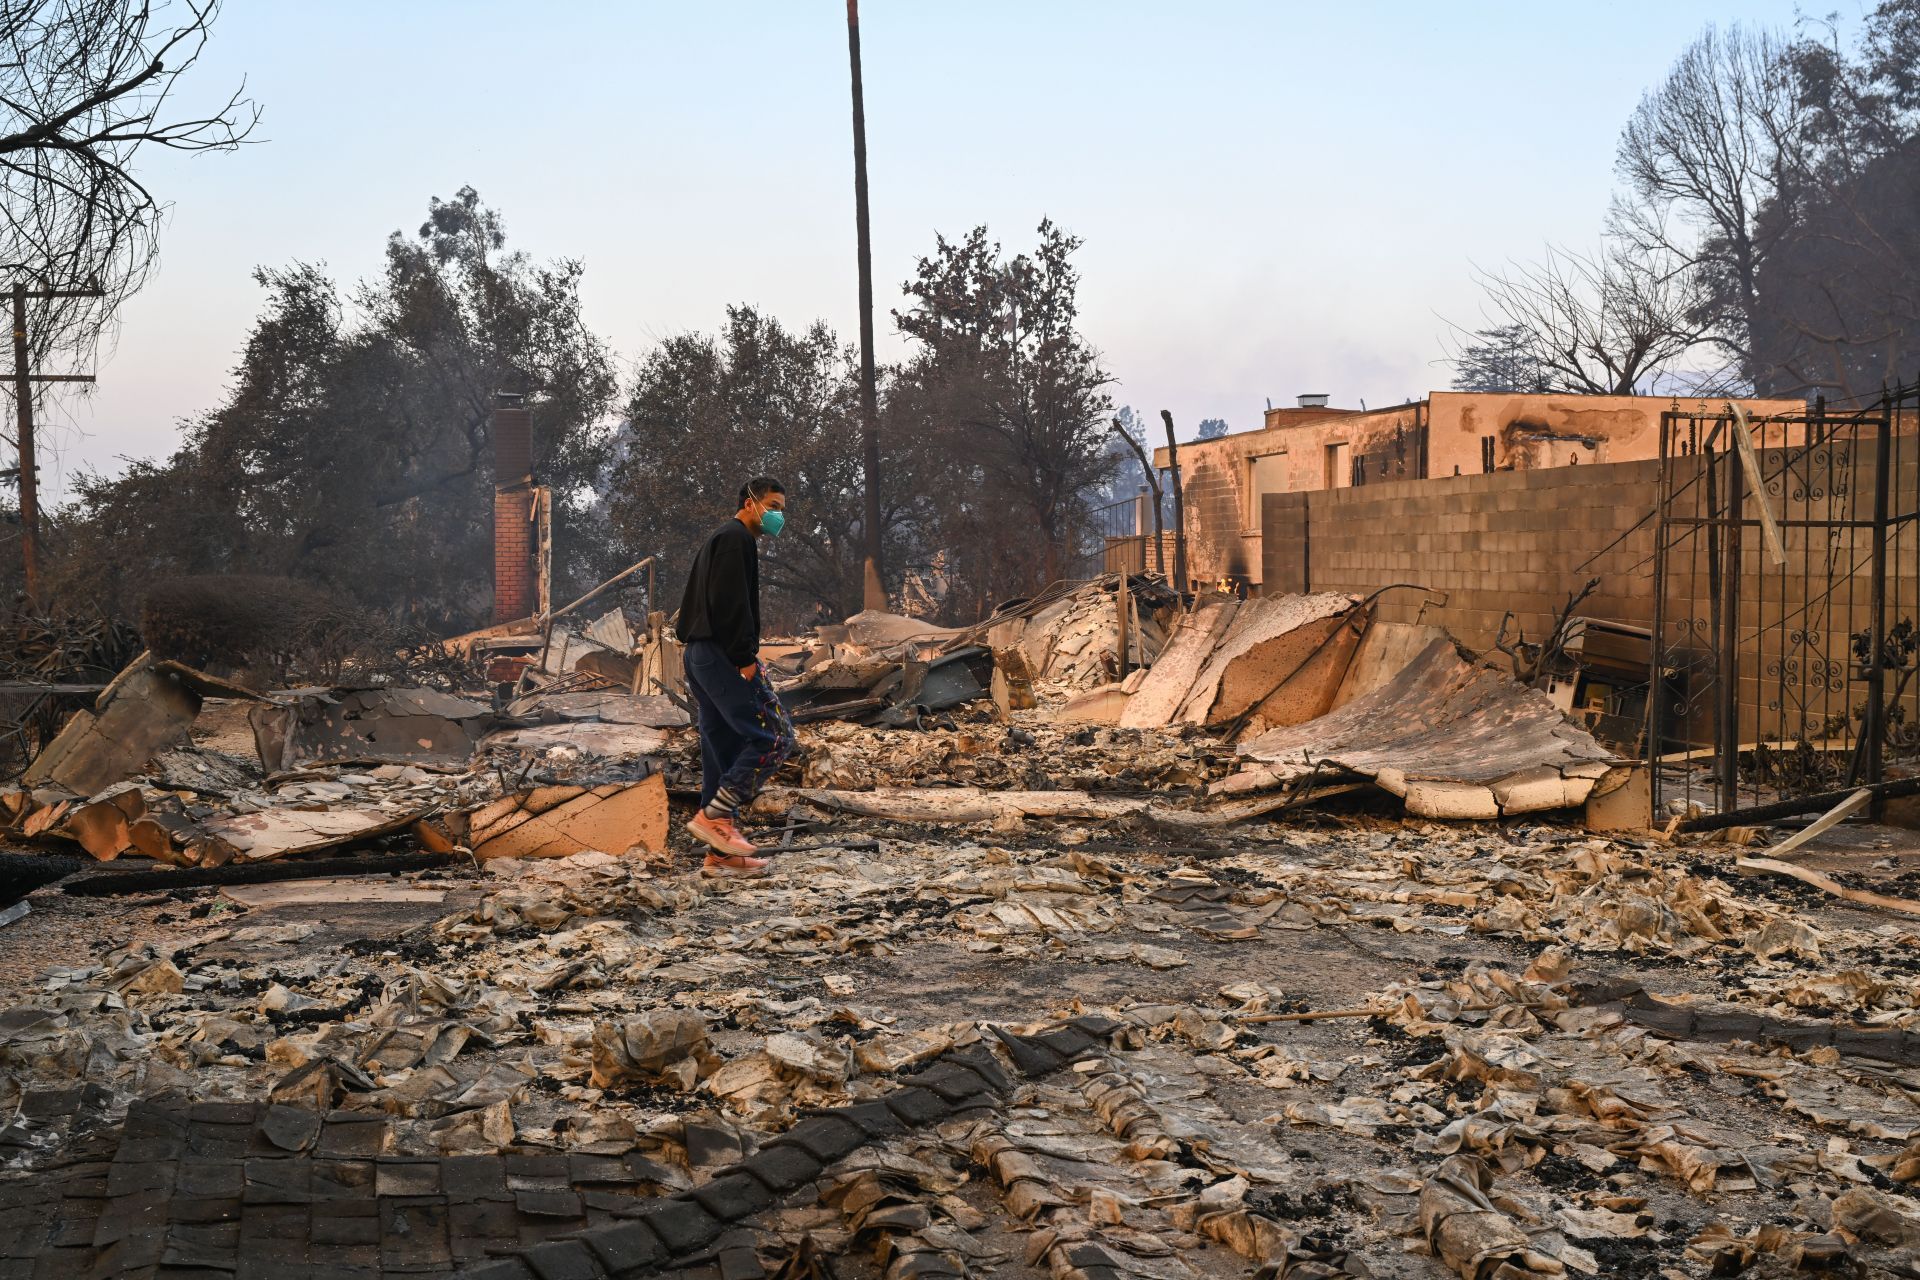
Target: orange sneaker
739,865
720,835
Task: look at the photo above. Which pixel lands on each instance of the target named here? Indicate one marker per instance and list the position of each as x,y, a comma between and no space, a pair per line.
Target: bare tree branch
84,86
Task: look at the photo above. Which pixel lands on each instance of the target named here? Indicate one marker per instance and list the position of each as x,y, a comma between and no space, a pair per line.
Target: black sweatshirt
722,601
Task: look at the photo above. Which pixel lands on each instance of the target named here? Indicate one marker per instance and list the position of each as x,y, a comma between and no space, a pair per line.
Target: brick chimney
513,551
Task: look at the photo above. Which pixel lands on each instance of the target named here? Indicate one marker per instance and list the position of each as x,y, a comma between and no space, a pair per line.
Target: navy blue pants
745,734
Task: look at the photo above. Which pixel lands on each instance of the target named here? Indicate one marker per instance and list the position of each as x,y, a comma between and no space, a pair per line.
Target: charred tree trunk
1179,508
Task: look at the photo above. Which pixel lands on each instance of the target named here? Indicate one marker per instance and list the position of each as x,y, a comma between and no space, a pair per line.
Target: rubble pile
1028,993
1493,1106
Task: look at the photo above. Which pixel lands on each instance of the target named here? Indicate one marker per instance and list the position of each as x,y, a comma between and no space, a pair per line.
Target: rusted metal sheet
1251,665
1453,739
149,706
558,821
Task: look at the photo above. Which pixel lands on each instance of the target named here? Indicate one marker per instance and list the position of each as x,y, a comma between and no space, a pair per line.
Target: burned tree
1613,322
705,411
1700,157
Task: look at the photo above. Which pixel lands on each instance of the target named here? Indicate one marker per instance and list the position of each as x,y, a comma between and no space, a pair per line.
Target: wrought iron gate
1783,618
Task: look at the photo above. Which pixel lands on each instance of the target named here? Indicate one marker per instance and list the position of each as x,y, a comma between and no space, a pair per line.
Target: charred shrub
262,628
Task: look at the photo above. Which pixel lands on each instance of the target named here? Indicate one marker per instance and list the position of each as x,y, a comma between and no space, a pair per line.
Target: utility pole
874,592
23,380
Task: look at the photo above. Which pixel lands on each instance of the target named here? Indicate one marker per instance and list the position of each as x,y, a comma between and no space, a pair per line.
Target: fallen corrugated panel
611,629
281,833
874,631
889,691
610,705
565,650
1453,739
1076,640
1384,653
149,706
1159,696
1284,655
592,737
616,669
369,726
1258,663
556,822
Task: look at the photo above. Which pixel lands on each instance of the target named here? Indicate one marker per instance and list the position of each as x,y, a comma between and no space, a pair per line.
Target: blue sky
1275,197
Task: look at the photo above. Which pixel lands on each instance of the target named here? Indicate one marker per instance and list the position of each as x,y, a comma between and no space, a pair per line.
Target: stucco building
1312,446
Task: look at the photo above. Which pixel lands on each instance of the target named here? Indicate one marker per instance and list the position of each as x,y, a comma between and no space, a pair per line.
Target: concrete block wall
1488,542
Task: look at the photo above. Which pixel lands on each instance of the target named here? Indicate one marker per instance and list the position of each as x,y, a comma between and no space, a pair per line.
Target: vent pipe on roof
1313,402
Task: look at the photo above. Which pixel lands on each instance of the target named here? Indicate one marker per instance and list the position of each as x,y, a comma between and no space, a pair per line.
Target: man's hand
749,671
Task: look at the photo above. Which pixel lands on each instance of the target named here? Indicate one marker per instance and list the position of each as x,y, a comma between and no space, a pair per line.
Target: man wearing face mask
744,731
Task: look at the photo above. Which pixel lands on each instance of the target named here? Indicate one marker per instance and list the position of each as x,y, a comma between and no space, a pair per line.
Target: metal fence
1118,537
1786,588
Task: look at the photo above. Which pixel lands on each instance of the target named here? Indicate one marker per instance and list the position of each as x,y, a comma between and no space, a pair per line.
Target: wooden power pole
23,380
874,592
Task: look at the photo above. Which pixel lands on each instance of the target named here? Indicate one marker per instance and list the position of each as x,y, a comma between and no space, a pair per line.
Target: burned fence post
1876,718
874,594
1727,718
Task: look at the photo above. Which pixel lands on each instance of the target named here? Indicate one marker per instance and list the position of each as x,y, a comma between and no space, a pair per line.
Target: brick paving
186,1190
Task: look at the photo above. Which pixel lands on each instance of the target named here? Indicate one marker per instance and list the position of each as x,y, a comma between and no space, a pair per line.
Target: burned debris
1119,934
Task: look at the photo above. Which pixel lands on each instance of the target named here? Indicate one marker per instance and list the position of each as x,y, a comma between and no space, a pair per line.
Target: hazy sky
1275,197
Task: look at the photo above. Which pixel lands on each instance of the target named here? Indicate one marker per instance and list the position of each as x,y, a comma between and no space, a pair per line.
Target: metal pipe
1728,717
1656,675
627,572
29,475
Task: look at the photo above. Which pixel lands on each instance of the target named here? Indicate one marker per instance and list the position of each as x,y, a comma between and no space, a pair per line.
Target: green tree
353,448
705,412
1001,375
1500,359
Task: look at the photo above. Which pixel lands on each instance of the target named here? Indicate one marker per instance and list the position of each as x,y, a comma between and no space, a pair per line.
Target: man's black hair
759,487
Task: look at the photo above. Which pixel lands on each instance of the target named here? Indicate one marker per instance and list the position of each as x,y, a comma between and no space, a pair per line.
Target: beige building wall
1449,433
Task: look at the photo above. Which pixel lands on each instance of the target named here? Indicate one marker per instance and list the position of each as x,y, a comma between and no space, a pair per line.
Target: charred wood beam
131,882
1797,805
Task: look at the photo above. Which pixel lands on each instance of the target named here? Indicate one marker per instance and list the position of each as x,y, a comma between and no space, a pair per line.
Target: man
745,734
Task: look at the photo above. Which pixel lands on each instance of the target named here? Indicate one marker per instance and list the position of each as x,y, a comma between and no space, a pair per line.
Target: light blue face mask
772,522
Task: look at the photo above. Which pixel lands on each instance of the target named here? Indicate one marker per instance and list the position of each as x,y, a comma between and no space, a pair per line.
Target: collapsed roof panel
1453,739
